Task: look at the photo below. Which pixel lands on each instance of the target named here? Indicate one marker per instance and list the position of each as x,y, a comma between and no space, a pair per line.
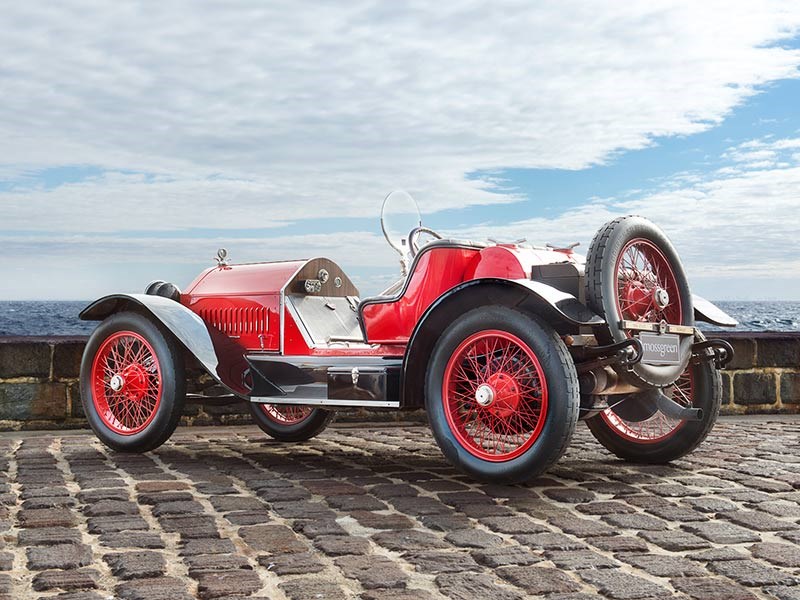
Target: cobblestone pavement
375,512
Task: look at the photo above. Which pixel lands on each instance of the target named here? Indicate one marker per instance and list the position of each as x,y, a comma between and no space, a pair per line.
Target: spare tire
633,273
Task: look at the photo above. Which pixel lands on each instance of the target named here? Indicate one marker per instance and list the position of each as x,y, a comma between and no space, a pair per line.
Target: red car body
296,334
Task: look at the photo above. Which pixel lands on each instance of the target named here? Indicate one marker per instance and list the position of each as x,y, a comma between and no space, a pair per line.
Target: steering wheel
413,237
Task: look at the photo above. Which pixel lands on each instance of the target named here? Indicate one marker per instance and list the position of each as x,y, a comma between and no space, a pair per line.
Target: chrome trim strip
654,327
323,402
329,360
280,317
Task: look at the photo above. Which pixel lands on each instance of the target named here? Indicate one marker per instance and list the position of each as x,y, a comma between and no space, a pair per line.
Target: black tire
310,426
169,405
605,249
707,395
558,380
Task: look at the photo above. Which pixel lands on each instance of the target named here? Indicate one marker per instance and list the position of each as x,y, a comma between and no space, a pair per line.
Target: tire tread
316,422
159,429
558,445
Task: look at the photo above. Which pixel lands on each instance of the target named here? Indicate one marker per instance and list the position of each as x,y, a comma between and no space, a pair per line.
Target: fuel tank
560,268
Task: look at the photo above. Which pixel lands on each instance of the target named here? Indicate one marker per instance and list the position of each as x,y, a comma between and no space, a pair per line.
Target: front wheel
132,383
501,394
290,423
644,434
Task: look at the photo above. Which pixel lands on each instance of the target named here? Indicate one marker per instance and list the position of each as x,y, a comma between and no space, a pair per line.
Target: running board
332,381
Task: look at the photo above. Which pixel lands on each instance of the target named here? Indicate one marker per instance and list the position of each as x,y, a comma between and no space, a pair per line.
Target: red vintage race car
506,346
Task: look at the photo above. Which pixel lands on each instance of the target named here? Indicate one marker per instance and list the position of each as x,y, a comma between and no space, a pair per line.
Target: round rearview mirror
399,215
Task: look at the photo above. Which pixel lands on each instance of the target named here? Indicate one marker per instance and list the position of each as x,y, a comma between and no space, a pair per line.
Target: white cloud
323,104
244,114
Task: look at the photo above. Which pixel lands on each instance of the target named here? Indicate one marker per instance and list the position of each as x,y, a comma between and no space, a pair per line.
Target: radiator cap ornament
222,257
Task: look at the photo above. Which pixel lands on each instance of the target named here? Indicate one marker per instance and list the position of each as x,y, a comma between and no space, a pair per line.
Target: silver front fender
186,326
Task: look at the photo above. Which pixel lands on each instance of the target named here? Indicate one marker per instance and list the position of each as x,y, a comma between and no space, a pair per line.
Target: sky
136,139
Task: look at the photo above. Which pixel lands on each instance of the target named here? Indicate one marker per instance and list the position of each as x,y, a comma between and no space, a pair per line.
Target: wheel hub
661,298
117,383
132,382
505,394
484,395
637,298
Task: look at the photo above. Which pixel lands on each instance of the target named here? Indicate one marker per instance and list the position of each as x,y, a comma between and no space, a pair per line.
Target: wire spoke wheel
495,395
646,287
658,426
290,422
501,394
286,414
643,433
126,383
634,276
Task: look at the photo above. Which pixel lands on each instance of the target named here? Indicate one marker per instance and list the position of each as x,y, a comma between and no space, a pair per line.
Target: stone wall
764,376
39,383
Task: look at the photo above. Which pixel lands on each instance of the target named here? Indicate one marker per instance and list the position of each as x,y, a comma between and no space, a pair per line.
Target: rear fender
707,312
215,352
561,310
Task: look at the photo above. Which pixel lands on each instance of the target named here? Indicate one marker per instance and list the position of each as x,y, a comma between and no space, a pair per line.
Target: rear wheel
132,383
290,423
501,395
641,433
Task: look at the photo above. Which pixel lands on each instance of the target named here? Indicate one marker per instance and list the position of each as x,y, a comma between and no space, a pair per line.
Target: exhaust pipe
672,409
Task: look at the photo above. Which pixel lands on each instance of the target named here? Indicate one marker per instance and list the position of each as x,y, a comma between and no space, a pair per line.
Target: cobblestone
373,572
59,556
159,588
276,539
228,584
752,573
473,538
132,565
539,580
340,545
785,555
225,513
293,564
468,586
505,556
439,561
76,579
622,586
48,537
723,533
711,589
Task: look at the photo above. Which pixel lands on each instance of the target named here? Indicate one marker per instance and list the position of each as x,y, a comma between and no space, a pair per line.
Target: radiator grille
237,321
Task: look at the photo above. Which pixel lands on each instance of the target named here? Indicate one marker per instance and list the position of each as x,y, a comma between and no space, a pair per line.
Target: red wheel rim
126,383
646,287
495,395
659,426
284,414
